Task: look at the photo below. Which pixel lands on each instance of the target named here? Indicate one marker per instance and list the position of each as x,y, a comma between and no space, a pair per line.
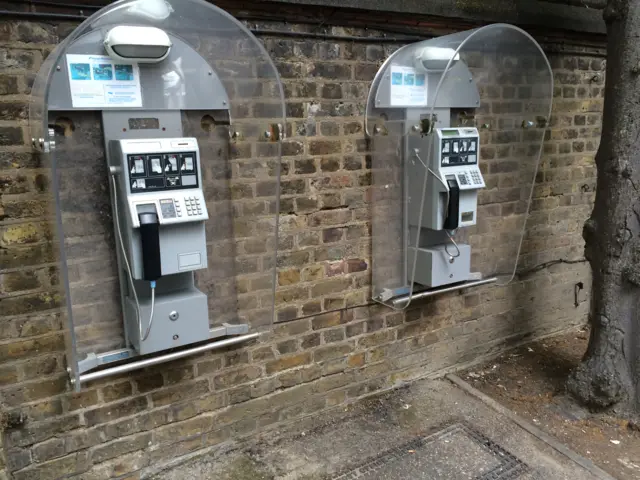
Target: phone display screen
450,133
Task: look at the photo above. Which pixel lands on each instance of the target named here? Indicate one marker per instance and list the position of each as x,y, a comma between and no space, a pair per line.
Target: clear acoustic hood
494,83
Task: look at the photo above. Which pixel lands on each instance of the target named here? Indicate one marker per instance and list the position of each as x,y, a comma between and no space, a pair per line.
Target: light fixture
137,44
435,59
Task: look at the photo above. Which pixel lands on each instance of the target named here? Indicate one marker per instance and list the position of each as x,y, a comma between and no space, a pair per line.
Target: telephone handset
150,243
453,207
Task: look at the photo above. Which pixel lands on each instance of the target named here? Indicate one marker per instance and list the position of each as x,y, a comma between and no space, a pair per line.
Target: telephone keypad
469,178
475,176
193,206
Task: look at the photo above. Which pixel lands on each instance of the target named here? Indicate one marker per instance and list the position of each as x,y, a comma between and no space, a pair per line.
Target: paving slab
431,429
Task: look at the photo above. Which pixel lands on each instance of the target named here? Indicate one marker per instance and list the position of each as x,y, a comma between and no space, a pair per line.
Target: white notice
97,81
408,87
155,165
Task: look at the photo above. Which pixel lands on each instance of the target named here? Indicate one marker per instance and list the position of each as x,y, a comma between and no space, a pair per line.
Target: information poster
408,87
98,81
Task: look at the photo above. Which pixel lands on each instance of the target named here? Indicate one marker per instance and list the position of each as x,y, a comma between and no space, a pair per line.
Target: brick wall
325,349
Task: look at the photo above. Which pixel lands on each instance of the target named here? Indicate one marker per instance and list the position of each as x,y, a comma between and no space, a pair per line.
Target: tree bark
609,373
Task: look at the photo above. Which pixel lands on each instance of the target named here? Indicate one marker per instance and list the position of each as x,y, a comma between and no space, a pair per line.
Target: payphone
159,257
455,126
159,215
452,203
441,171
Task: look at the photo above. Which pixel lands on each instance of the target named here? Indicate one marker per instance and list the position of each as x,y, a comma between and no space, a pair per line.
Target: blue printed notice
408,87
96,81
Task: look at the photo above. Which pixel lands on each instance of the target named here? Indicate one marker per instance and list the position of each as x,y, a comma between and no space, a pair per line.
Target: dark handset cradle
150,243
453,208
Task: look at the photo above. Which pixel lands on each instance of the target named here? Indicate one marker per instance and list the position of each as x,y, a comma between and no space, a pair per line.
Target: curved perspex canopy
493,84
218,86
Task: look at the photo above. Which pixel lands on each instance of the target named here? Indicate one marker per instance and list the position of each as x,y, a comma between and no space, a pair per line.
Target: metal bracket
380,130
234,135
427,124
95,360
228,329
388,293
44,145
51,143
40,144
404,295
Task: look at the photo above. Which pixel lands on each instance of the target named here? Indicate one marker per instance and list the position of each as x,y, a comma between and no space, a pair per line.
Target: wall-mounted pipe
397,302
328,36
46,3
42,15
255,31
415,32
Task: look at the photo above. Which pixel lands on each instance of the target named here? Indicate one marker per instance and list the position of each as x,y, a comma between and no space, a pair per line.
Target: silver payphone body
453,182
455,126
159,218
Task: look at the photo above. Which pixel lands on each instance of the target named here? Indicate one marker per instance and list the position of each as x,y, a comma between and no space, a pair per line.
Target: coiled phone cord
153,302
126,262
446,247
446,188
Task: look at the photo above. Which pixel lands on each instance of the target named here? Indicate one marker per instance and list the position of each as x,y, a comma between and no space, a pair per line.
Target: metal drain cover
457,452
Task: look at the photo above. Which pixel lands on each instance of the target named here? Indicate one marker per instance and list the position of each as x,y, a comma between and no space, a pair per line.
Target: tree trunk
610,371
